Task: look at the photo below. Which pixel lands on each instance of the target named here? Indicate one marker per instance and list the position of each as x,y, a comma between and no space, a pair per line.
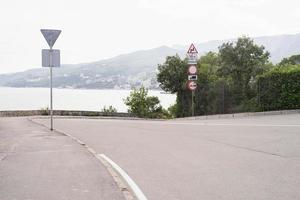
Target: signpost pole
193,106
192,73
51,94
51,36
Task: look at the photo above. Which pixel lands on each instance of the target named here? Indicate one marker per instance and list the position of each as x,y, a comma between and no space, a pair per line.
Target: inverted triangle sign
192,50
50,35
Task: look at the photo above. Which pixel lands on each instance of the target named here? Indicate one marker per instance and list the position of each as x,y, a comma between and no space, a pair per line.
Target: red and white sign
192,85
192,50
192,69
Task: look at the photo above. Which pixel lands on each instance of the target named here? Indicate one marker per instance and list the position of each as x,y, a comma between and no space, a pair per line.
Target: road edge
134,187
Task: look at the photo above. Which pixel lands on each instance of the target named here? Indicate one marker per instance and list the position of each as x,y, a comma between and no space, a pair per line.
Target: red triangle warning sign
192,49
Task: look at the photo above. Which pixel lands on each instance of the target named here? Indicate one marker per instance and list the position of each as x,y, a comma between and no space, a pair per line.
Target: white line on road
230,124
136,190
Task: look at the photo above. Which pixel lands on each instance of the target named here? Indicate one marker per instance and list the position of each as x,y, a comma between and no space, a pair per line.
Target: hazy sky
98,29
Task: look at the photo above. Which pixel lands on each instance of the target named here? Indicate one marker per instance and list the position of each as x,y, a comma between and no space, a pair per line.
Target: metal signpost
192,56
51,58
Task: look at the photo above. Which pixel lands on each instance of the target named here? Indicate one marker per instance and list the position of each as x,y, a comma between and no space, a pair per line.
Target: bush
108,111
45,111
145,106
172,110
279,89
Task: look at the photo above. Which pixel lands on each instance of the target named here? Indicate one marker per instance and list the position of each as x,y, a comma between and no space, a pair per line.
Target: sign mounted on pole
192,85
192,50
192,69
192,77
50,58
50,35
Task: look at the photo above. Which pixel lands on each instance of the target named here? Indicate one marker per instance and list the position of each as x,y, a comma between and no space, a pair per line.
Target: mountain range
134,69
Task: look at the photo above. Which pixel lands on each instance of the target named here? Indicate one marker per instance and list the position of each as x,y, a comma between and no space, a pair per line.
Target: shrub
108,111
145,106
45,111
279,88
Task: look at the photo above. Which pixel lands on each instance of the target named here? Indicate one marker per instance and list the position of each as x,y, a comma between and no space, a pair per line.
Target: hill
134,69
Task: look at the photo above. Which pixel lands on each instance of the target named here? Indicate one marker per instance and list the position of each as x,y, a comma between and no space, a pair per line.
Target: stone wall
20,113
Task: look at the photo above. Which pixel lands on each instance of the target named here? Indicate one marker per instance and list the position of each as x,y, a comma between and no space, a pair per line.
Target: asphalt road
36,164
244,159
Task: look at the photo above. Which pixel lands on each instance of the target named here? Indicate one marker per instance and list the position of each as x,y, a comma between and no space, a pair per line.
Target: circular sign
192,69
192,85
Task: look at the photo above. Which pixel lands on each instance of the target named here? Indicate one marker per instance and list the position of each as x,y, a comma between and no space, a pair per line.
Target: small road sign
50,58
192,56
192,77
192,69
192,62
192,50
50,35
192,85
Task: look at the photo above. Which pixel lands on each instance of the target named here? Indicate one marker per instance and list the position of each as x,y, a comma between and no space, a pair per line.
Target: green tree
142,105
172,76
208,95
292,60
241,62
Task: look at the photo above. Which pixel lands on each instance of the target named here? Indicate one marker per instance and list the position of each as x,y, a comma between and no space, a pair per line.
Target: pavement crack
3,157
246,148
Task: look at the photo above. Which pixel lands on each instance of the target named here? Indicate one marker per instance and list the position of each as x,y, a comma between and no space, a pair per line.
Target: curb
241,115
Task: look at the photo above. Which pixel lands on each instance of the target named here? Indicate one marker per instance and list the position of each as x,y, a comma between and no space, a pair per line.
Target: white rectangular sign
192,62
192,77
50,58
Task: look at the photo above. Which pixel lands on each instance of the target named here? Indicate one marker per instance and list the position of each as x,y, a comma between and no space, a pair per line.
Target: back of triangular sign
50,35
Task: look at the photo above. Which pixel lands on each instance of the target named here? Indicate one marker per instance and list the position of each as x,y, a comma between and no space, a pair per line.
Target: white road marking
230,124
134,187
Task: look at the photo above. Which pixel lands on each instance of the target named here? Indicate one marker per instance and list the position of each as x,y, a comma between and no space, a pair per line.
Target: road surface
36,164
247,158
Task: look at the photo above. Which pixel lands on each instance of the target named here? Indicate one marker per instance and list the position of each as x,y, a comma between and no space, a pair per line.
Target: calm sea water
70,99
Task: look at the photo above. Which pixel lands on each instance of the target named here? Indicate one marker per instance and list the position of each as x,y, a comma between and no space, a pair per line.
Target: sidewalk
37,164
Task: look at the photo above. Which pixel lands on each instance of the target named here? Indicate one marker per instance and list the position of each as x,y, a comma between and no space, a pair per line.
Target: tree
293,60
142,105
241,62
172,74
209,83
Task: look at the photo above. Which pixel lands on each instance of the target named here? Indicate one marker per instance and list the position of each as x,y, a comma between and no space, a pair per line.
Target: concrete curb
241,115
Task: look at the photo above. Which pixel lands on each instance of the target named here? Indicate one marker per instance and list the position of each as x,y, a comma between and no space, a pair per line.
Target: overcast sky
98,29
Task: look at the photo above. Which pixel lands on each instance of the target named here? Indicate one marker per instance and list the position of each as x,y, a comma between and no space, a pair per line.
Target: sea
71,99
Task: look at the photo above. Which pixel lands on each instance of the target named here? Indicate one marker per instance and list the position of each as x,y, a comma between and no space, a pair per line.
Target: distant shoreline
67,88
19,98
